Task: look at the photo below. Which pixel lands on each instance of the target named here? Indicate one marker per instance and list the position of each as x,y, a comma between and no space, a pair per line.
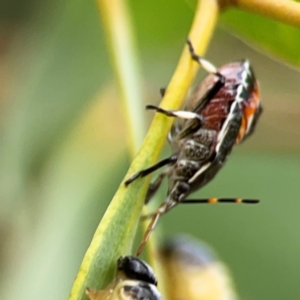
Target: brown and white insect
134,280
221,112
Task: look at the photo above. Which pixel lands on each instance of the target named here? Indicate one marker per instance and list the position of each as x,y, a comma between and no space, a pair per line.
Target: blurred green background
63,148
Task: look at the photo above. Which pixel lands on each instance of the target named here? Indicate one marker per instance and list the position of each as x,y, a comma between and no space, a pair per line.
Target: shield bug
134,280
221,112
194,271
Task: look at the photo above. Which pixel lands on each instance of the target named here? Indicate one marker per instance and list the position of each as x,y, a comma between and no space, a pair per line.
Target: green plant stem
116,231
285,11
200,35
121,44
204,22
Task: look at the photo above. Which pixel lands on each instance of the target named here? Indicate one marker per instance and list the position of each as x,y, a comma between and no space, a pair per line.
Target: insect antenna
219,200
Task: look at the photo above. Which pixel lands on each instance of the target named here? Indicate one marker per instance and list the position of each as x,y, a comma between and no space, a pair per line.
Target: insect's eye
135,268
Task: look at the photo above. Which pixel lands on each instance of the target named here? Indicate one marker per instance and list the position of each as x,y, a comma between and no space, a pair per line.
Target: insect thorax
193,152
201,155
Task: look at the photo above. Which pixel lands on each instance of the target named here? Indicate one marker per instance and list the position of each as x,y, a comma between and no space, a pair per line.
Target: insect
134,280
221,112
194,271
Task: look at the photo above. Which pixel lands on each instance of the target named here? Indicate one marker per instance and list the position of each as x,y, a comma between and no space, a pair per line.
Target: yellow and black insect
193,272
134,280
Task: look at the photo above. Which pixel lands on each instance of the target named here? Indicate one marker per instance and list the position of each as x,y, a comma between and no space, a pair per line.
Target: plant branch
200,34
117,229
121,43
204,22
286,11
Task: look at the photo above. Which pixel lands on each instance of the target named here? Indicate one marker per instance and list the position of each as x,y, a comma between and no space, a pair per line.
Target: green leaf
113,238
278,39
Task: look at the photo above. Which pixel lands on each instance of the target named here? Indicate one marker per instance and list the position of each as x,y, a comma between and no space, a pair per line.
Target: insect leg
219,200
153,187
162,91
170,160
177,113
208,66
208,96
163,208
150,227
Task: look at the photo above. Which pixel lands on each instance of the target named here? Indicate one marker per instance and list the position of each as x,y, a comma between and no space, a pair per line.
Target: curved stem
118,226
200,34
116,231
285,11
204,22
121,43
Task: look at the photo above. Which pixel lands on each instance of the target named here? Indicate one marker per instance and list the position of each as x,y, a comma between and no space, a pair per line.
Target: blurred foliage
63,147
193,270
284,42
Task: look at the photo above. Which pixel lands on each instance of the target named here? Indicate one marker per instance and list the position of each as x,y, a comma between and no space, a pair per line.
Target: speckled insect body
221,112
228,119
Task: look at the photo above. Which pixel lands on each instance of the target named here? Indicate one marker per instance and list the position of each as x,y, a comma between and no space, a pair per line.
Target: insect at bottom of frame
134,280
221,112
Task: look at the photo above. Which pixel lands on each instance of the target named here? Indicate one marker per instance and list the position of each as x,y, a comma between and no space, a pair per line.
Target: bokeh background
63,149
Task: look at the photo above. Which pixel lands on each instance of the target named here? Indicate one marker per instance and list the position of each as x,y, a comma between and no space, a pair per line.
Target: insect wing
252,110
247,95
232,113
225,141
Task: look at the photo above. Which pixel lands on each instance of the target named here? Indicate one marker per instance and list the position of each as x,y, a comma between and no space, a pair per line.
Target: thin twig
286,11
121,44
